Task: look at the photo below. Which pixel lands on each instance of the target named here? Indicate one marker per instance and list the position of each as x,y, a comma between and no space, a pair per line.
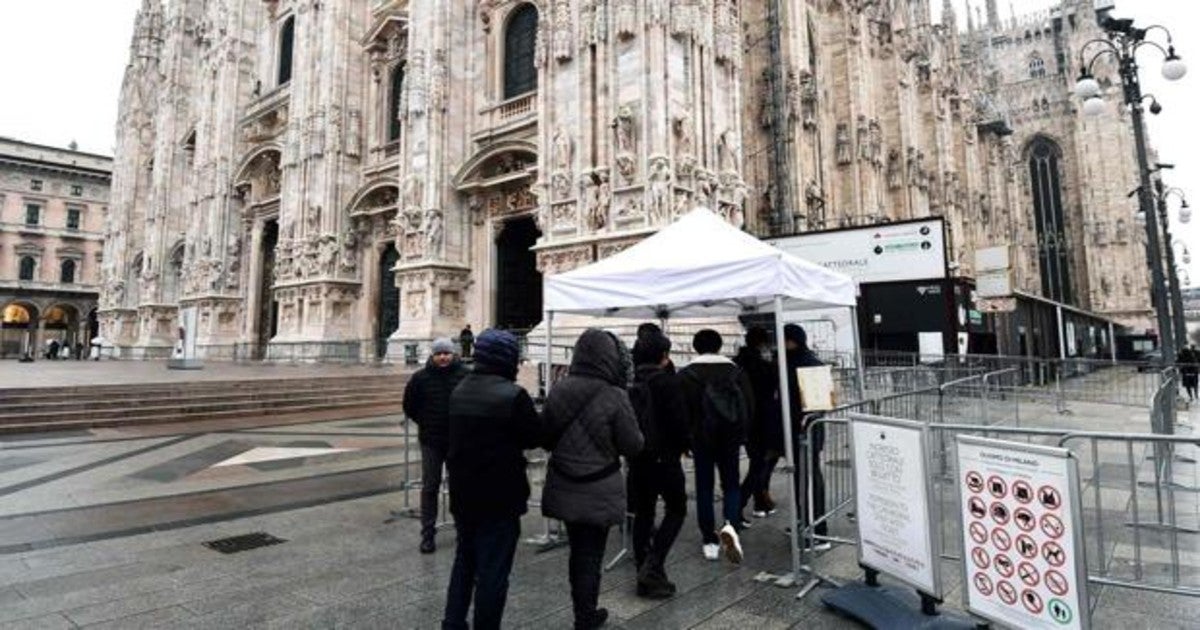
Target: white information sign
931,347
891,494
914,250
1023,554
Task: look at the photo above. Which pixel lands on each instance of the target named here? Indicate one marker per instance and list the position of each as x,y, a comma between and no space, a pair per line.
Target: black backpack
722,405
643,408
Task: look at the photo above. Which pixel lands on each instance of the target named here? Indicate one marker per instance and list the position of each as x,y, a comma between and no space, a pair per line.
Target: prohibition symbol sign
1032,601
1054,581
1029,574
1027,548
980,558
983,584
1060,612
1001,539
1052,526
1007,593
1024,519
1004,566
977,507
978,532
997,487
974,481
1054,554
1049,497
1000,513
1022,491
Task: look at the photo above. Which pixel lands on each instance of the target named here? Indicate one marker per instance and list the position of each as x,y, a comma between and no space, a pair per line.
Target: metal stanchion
407,510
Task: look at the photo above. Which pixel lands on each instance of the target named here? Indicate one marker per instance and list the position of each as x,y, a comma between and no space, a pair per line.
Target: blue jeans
482,561
725,460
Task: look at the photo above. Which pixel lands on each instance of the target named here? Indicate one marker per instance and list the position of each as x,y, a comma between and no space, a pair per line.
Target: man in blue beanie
492,423
427,403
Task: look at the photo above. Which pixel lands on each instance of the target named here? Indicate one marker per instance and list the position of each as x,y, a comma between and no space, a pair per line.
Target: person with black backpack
656,471
719,403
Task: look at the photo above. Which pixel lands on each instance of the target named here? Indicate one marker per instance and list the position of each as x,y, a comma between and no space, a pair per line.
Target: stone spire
993,15
147,31
970,18
949,17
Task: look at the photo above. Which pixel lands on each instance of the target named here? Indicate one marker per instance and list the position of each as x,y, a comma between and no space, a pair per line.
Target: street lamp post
1123,42
1180,325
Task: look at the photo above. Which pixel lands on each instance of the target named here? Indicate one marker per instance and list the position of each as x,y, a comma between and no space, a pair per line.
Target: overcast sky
63,62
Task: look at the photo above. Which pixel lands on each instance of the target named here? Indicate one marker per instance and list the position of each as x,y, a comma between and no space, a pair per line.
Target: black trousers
432,460
816,479
757,481
587,556
482,563
648,480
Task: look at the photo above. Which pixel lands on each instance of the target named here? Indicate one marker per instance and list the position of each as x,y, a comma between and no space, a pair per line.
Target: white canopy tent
702,265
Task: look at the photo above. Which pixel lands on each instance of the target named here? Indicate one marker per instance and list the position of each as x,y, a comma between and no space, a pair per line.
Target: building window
28,265
1037,68
73,218
520,39
76,190
287,39
35,184
395,89
1049,216
67,275
33,214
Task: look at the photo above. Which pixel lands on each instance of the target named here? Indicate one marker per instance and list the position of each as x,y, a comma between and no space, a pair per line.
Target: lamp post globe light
1122,42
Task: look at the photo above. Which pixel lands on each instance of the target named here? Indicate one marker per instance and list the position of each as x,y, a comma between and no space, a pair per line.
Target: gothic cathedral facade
381,172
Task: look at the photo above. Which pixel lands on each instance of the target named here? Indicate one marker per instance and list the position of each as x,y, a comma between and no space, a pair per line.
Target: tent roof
699,265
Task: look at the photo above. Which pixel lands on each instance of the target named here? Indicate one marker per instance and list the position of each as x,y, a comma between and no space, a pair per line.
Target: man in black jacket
656,471
764,439
799,355
427,403
492,423
719,402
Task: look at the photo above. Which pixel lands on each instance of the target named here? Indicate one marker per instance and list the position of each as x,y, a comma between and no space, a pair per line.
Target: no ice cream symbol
974,481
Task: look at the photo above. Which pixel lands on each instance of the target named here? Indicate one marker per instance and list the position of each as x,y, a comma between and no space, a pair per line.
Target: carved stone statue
842,144
864,139
660,189
893,169
681,125
562,150
728,151
434,233
626,135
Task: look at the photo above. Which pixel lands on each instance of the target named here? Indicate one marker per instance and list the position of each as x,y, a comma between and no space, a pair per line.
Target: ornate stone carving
681,127
438,81
564,31
599,201
864,139
684,18
626,19
729,152
842,144
894,173
564,148
875,142
555,261
658,203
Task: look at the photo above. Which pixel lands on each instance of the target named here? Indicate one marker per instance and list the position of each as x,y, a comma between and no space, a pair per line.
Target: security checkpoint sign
891,494
1029,571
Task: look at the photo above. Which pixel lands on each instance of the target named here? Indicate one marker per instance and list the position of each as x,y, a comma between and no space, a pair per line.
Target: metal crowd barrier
1138,511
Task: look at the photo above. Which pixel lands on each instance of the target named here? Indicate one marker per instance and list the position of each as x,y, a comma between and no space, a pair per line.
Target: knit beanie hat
498,350
443,345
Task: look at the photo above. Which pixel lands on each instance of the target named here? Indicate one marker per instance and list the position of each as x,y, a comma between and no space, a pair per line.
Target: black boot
595,620
652,582
428,545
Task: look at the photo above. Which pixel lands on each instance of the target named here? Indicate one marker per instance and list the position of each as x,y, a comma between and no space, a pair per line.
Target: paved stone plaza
105,528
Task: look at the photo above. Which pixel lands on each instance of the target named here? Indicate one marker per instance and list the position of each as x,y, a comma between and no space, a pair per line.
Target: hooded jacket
427,401
766,428
589,424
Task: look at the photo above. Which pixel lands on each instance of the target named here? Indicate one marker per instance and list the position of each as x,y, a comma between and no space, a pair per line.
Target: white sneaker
711,551
731,544
820,545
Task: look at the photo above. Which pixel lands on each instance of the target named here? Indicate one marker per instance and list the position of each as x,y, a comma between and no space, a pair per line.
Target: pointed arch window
1037,67
287,41
395,90
28,267
67,272
520,41
1045,179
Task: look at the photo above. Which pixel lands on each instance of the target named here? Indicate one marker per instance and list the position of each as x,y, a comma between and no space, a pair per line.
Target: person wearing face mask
764,435
589,425
427,403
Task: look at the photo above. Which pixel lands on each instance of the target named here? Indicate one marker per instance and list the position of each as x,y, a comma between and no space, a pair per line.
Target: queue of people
614,404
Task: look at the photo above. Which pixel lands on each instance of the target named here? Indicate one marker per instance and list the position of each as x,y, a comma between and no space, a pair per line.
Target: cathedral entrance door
518,281
268,308
388,305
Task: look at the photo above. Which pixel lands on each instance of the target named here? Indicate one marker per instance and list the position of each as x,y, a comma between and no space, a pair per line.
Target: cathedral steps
44,409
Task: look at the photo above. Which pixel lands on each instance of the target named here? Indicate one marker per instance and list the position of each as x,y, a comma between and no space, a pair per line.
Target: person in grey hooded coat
589,425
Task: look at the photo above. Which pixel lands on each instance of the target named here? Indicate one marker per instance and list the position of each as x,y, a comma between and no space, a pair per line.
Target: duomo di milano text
344,170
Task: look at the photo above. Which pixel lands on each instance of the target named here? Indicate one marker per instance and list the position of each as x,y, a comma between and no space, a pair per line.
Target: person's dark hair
650,348
648,328
707,341
757,336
